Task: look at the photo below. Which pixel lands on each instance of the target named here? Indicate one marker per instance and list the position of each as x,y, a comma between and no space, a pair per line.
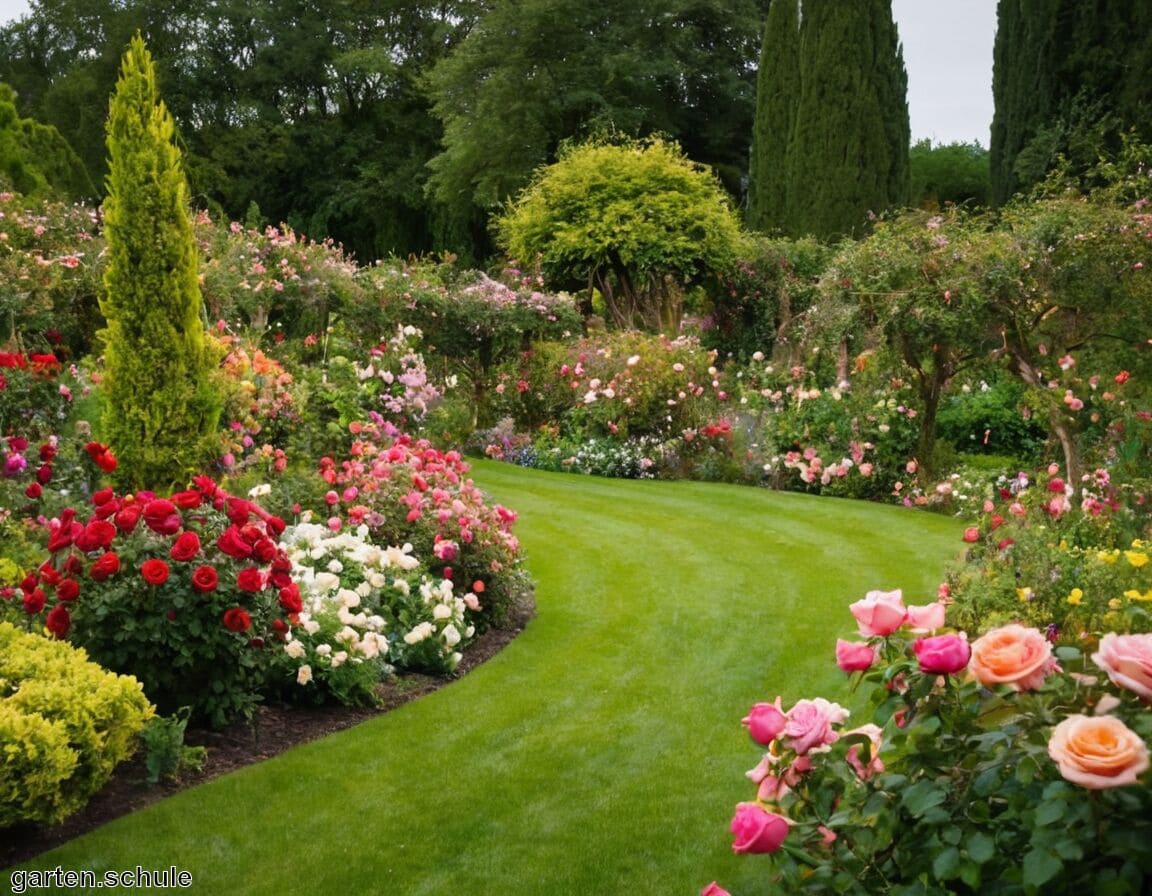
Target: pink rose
943,654
874,765
757,829
1128,661
809,725
852,656
1098,753
972,534
714,889
880,613
765,721
927,618
1014,655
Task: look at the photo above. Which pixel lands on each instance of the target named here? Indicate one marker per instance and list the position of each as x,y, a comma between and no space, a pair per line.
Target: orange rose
1097,752
1014,655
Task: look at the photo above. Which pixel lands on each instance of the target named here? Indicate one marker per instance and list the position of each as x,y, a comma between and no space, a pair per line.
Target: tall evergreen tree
848,156
1069,78
161,400
777,92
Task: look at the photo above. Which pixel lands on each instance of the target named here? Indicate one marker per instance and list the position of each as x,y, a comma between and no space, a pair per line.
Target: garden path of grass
601,752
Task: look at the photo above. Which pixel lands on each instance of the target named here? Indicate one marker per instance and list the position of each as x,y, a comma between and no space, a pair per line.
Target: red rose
103,511
250,579
68,589
47,452
34,491
1121,377
34,602
161,516
207,487
17,443
234,544
275,525
127,518
265,550
237,620
95,449
58,621
63,536
107,462
186,547
106,565
204,579
154,571
290,599
44,474
238,511
97,536
49,574
280,579
187,500
103,496
28,585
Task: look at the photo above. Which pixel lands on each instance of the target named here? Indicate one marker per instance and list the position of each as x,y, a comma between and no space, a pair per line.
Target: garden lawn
601,752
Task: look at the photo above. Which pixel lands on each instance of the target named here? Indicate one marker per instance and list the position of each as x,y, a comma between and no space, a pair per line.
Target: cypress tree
1069,79
848,156
777,93
161,397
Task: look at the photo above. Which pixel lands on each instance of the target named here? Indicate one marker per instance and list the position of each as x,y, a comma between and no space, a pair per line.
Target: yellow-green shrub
65,723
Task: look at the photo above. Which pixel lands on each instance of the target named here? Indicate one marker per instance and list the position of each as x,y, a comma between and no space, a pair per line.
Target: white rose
451,635
294,649
441,612
324,649
304,675
339,658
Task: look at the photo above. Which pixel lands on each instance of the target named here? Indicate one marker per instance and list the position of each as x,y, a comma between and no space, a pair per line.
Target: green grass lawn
601,752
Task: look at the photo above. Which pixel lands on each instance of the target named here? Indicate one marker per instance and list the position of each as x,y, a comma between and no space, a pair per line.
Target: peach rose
1097,752
1128,661
1014,655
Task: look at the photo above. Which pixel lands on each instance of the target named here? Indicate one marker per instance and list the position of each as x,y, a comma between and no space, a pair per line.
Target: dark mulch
273,730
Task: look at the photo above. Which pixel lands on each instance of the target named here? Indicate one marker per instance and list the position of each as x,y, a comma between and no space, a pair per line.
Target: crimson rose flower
187,500
250,579
97,536
204,579
290,599
234,544
105,566
58,621
237,620
186,547
160,516
68,589
155,571
127,518
34,602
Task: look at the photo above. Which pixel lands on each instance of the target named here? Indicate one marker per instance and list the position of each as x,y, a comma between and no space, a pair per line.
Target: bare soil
273,730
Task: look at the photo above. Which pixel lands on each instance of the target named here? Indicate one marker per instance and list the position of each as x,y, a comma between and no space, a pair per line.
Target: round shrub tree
637,221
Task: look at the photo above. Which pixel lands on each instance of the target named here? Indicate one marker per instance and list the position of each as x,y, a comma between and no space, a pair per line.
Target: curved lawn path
600,752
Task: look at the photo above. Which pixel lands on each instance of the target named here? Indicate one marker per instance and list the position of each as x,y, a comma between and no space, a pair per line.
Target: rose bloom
853,656
927,618
68,589
186,547
809,725
757,830
1098,753
161,516
1014,655
765,721
1128,661
58,621
942,654
879,613
250,579
154,571
105,566
204,579
714,889
237,620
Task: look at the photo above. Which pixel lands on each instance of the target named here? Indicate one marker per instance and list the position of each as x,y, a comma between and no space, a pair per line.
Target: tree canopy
635,221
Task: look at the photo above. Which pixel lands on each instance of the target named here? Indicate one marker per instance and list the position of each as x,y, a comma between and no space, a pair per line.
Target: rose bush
1004,766
188,593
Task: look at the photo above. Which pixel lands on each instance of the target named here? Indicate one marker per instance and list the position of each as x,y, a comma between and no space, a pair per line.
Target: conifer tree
161,397
777,93
848,156
1069,79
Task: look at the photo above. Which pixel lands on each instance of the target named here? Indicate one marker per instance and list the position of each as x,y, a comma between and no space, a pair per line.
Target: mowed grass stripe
601,751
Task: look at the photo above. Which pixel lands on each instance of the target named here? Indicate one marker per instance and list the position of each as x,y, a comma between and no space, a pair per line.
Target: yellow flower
1115,604
1107,556
1025,594
1136,595
1075,596
1136,558
1063,544
1138,544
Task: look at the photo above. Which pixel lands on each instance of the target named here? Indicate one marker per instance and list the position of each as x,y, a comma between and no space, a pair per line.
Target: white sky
947,51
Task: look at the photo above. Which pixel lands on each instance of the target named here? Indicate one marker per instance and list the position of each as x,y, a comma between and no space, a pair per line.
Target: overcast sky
947,51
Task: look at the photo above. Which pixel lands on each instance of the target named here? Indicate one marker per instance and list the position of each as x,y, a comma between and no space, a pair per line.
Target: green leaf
980,847
1067,653
946,865
1040,866
922,796
1049,811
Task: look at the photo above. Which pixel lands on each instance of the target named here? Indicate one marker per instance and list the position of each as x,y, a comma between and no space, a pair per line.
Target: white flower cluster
447,623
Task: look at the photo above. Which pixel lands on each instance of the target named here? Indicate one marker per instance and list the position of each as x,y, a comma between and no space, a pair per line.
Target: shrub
65,724
981,767
186,593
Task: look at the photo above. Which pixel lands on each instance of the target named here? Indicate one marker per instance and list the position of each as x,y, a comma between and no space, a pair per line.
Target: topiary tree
162,400
637,221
